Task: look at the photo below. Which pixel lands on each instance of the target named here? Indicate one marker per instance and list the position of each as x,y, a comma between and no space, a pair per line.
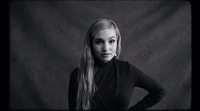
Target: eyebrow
98,39
112,37
102,39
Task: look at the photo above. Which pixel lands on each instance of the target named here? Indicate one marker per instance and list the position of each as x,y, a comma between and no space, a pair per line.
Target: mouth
106,54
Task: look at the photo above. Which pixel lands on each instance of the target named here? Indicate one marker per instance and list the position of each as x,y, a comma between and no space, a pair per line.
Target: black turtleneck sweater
105,78
115,81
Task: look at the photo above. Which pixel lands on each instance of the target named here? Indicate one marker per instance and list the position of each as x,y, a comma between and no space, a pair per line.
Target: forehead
105,34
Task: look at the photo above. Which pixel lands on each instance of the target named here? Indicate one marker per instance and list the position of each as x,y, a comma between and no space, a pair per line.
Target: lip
106,54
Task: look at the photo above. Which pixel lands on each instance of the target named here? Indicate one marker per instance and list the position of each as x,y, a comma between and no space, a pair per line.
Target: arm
156,91
72,92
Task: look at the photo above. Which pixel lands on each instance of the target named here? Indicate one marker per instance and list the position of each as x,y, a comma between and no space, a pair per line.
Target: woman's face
105,45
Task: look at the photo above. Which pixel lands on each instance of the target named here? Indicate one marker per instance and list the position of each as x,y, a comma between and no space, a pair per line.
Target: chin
106,59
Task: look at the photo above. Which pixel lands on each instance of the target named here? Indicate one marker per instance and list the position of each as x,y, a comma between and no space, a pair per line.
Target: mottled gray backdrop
46,39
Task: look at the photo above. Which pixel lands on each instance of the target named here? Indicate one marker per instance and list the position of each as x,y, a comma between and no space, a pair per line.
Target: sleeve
156,91
72,91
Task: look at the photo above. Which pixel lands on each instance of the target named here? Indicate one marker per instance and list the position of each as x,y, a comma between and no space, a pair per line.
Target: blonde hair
86,83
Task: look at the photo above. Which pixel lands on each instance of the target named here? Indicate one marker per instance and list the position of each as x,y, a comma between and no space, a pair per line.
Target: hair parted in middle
86,83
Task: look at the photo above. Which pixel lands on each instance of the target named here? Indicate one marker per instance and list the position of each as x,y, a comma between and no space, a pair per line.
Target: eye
112,41
98,42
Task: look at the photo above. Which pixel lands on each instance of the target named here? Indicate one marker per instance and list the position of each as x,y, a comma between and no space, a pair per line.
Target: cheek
114,48
96,48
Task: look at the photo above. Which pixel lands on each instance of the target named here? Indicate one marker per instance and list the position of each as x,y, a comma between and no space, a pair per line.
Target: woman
104,82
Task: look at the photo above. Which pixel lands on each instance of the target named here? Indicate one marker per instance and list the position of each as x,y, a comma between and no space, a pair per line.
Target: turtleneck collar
99,64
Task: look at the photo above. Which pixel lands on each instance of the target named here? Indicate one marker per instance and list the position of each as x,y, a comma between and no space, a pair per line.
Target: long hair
86,83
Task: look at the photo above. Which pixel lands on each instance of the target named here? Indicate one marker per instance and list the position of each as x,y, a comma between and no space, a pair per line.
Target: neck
98,63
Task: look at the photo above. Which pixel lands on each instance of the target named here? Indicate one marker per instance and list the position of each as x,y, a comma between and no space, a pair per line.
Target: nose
105,47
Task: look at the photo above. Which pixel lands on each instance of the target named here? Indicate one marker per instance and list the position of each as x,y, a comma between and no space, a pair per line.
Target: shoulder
74,73
125,65
75,70
129,71
127,68
121,62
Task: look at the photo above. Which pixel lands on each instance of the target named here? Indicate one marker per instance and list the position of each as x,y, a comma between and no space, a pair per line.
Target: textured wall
46,40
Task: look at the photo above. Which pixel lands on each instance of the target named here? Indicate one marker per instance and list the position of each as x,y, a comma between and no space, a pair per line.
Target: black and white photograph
100,55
